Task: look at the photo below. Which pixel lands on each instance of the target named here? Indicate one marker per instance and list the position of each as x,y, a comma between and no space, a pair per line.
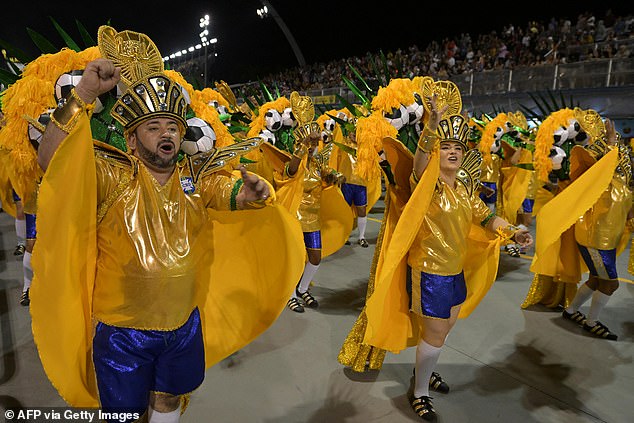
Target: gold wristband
300,151
65,116
427,142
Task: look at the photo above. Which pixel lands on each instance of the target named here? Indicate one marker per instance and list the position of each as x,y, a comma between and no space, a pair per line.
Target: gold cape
251,282
389,324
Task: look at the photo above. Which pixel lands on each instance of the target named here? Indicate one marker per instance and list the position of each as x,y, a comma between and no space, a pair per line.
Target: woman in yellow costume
141,254
321,200
431,270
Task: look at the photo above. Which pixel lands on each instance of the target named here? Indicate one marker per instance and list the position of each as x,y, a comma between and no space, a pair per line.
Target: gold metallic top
601,226
348,165
308,212
152,238
440,246
491,171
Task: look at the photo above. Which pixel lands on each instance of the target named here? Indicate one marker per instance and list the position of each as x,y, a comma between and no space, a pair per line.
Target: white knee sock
169,417
362,223
309,271
20,231
426,359
599,300
583,294
28,271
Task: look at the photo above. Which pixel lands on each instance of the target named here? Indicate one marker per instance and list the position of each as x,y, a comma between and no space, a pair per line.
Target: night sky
249,46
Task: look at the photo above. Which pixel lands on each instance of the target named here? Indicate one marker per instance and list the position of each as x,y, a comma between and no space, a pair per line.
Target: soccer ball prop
398,118
557,157
577,134
199,137
220,108
66,82
415,110
288,118
35,131
561,135
272,120
268,136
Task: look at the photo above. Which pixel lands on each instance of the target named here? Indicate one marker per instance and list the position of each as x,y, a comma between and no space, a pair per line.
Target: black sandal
424,408
308,299
513,251
295,306
600,330
577,317
437,383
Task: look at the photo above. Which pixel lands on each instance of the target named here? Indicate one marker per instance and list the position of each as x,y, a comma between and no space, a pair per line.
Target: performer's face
156,142
450,155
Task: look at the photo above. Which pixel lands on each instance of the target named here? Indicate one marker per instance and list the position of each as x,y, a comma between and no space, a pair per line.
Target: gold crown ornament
155,95
591,123
454,128
133,52
304,111
447,93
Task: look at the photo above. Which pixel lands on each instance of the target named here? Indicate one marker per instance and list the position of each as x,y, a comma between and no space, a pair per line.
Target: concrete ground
503,363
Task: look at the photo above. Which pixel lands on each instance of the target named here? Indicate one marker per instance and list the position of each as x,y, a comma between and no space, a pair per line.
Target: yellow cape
248,285
557,263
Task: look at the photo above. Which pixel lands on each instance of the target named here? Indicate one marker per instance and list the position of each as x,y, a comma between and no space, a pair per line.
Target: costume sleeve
219,190
480,212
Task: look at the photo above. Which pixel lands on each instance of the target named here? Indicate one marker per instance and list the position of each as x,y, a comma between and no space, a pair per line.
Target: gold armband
65,116
629,224
427,141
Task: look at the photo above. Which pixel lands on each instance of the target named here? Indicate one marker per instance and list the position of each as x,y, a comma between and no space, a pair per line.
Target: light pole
264,12
204,23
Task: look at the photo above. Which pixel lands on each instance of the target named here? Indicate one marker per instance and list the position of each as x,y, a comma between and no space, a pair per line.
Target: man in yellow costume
136,260
318,177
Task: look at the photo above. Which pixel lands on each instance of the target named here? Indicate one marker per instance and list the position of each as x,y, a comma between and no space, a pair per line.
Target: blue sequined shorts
601,263
355,194
131,363
435,295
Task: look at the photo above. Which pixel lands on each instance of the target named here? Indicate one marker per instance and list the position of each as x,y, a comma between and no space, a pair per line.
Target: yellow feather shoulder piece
488,136
370,133
544,140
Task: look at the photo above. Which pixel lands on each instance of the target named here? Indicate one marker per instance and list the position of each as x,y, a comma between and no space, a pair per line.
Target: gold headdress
150,92
304,112
153,96
454,128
